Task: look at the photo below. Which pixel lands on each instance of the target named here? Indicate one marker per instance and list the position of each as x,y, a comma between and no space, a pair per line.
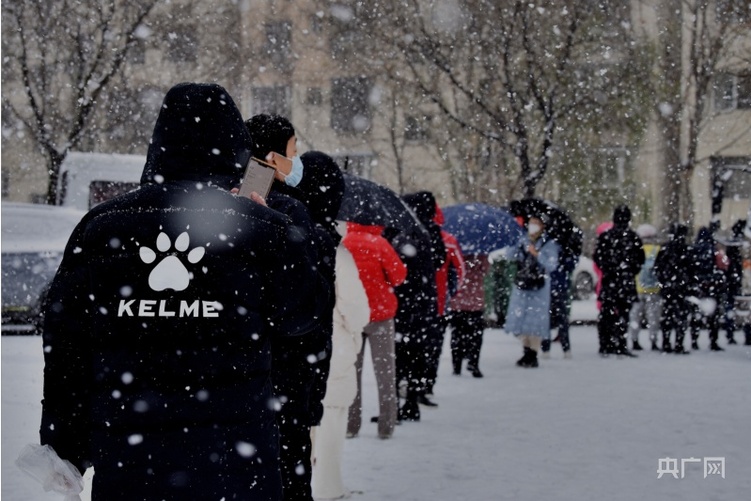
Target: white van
87,179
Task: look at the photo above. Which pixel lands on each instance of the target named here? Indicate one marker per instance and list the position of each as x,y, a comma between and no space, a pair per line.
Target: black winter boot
529,360
475,371
533,360
522,362
457,363
410,411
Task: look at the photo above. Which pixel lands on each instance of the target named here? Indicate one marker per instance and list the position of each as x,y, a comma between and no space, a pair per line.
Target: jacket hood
621,216
704,237
199,136
423,203
677,231
322,185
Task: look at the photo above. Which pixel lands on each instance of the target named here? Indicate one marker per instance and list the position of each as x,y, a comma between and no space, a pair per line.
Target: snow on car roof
36,227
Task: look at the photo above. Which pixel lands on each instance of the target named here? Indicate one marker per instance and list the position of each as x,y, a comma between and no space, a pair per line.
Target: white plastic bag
42,463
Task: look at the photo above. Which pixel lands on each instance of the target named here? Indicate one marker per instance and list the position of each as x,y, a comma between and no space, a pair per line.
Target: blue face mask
295,175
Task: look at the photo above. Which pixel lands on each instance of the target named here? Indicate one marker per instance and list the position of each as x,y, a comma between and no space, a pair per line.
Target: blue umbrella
481,228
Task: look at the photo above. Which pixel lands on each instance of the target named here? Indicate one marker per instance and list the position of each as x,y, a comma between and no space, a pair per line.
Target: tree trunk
54,161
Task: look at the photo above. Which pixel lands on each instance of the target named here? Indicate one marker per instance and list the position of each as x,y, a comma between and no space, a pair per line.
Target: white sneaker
546,355
567,354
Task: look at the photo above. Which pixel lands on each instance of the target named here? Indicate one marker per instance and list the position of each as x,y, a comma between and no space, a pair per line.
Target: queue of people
677,288
200,344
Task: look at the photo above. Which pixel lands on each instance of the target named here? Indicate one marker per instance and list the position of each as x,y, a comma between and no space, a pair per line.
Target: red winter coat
379,266
453,258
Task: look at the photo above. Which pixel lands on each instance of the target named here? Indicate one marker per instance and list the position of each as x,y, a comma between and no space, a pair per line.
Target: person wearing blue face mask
299,384
276,143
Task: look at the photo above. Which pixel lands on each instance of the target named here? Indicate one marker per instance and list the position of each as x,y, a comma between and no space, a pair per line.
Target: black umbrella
559,226
369,203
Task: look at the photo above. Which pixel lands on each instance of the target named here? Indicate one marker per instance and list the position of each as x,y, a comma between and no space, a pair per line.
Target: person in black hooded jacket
301,367
672,267
158,326
708,287
618,253
417,323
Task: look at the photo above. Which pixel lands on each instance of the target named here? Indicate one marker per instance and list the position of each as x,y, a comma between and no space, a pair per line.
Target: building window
416,128
609,166
316,23
137,52
733,11
732,92
182,44
359,164
732,178
271,100
350,107
278,45
314,96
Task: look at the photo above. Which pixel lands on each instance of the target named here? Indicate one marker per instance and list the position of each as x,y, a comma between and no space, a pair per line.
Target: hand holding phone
259,176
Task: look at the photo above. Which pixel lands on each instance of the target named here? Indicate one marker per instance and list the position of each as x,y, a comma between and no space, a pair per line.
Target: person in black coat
618,253
707,289
734,278
158,326
423,203
417,320
671,268
301,366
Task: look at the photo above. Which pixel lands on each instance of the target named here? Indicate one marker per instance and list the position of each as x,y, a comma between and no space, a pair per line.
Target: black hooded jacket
708,279
423,254
673,265
300,384
619,255
158,325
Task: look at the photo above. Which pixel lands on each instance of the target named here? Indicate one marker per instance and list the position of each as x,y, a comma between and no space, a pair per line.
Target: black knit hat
269,133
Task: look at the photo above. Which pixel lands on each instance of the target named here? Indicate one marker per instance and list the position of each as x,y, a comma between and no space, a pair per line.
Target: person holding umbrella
528,316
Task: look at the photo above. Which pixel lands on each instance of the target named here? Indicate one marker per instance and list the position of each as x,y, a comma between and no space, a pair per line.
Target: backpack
647,276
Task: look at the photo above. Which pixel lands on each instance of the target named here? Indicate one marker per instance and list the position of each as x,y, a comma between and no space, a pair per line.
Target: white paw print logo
170,273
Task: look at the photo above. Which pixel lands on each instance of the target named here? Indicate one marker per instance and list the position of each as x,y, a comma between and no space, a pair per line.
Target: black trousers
675,314
294,455
612,326
467,328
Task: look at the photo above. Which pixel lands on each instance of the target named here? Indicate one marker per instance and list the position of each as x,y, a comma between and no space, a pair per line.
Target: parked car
583,279
33,240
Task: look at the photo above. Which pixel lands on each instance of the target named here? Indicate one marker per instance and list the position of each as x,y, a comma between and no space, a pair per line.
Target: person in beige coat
351,314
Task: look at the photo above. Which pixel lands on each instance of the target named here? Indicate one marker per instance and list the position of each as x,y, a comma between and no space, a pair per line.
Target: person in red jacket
380,270
451,275
466,316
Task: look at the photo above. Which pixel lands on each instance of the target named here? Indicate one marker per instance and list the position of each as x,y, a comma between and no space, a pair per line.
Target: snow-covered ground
582,429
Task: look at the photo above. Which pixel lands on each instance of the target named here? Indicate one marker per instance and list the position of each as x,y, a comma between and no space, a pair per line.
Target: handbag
530,276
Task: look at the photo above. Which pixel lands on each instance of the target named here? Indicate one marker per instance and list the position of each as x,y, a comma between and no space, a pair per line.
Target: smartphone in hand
258,177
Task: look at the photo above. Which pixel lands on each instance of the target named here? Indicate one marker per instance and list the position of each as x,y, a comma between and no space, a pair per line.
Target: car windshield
33,242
